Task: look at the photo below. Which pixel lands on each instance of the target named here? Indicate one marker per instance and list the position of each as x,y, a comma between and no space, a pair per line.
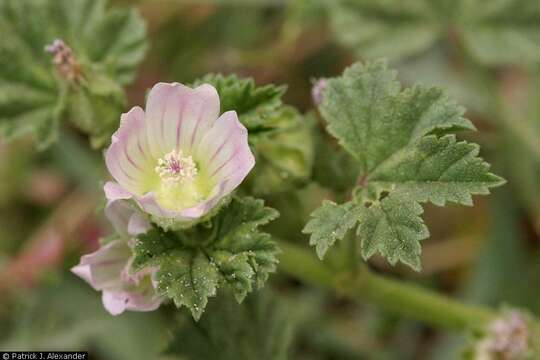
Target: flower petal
126,220
119,213
138,224
201,110
128,158
83,271
102,268
225,152
177,116
114,191
147,301
203,208
114,302
151,206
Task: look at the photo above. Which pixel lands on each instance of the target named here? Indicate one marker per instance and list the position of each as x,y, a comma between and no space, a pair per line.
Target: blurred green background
488,254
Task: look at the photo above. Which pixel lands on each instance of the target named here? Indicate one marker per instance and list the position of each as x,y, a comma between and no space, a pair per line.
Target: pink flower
178,158
109,268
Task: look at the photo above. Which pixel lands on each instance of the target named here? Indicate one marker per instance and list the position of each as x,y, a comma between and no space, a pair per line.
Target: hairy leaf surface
403,140
331,222
229,251
437,170
373,118
393,228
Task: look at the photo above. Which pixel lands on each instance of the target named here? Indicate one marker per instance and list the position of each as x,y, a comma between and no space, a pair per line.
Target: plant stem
399,297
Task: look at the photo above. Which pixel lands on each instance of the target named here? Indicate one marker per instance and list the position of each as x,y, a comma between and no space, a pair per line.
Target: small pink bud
65,61
318,90
109,270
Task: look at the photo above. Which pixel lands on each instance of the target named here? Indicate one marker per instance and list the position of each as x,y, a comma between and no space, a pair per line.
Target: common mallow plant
184,232
187,225
178,159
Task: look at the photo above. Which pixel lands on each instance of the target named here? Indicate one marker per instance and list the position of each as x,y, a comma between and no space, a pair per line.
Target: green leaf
240,237
284,154
437,170
186,275
407,154
189,278
331,222
261,328
501,32
107,44
392,28
229,251
236,271
372,118
242,217
254,104
394,228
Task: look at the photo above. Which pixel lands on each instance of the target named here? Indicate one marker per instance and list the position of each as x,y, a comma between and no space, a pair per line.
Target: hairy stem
399,297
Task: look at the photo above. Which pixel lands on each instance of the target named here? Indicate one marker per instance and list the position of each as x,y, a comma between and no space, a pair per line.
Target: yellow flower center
182,185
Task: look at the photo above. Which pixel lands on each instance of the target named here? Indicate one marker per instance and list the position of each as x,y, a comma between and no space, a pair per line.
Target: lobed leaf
437,170
188,277
107,43
229,251
372,118
394,228
331,222
407,154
